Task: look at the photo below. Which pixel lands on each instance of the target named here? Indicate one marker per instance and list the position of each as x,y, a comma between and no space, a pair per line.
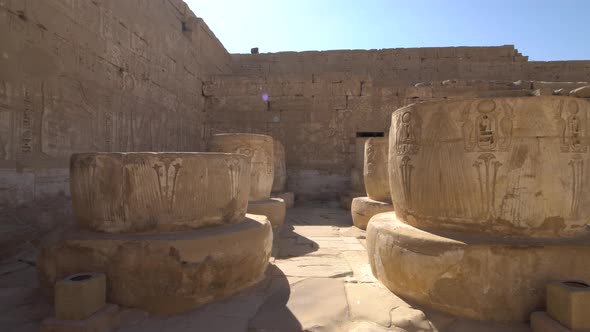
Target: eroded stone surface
259,148
375,170
273,208
280,173
496,166
438,270
130,192
364,208
165,273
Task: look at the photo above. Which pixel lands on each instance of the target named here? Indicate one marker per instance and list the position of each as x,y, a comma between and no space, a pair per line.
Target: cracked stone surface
319,280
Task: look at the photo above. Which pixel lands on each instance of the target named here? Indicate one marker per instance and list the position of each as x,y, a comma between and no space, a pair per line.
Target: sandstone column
168,230
491,199
259,148
280,176
376,179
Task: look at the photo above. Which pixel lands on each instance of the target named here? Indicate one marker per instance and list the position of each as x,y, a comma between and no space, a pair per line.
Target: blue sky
542,29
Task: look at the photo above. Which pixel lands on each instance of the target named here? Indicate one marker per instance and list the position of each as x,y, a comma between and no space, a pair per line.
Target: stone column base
273,208
347,197
479,277
288,197
165,273
363,208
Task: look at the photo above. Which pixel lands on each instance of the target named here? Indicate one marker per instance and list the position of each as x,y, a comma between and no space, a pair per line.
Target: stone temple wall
320,102
102,75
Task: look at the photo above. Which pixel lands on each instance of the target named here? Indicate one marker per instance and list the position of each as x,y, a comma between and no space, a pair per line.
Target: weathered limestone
261,152
568,302
375,171
273,208
581,92
512,166
280,176
165,273
364,208
79,296
179,264
259,148
280,170
376,179
493,188
485,278
131,192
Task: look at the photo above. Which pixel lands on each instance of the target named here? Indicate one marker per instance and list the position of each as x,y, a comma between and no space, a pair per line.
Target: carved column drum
512,166
375,169
145,191
259,148
280,175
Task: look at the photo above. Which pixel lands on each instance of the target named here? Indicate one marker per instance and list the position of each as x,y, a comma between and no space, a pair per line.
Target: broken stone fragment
581,92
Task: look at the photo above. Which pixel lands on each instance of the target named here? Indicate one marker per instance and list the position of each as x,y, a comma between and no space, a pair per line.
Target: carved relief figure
467,129
406,172
577,168
487,171
408,134
167,173
487,131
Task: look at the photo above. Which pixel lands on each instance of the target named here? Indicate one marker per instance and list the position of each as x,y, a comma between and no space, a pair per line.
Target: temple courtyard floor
319,280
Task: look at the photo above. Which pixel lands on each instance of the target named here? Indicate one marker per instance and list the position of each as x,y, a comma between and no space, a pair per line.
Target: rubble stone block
364,208
104,320
581,92
80,295
568,302
141,191
273,208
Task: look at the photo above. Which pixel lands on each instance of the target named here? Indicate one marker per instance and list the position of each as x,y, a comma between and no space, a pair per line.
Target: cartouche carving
409,127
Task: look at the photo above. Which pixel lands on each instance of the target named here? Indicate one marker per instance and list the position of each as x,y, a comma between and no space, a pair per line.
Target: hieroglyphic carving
167,172
407,139
258,157
487,181
485,132
577,167
406,172
234,172
572,129
26,139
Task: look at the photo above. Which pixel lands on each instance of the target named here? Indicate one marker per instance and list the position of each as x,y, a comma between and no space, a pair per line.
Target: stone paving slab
314,304
319,280
314,266
370,302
